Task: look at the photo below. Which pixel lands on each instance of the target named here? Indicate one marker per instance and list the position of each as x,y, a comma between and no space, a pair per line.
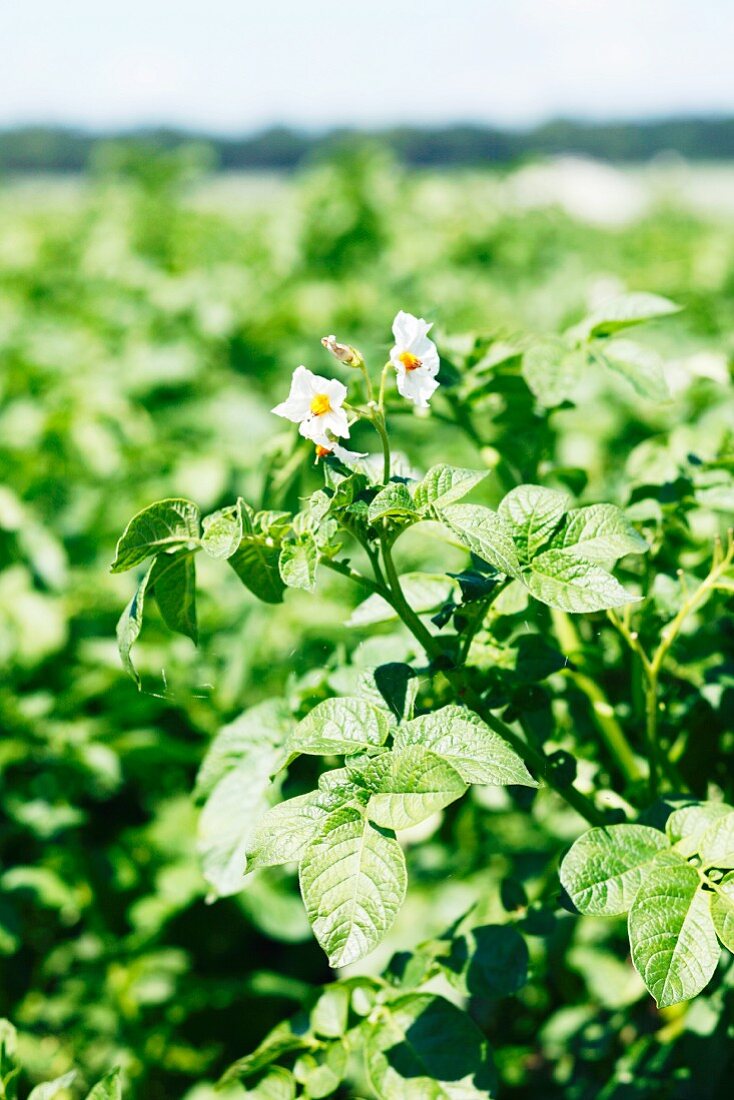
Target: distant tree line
62,149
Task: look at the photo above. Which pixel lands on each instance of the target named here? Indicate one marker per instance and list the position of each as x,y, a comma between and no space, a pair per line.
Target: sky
238,65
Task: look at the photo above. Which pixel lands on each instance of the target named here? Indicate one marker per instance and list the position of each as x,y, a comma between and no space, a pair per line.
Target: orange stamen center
410,361
320,404
322,452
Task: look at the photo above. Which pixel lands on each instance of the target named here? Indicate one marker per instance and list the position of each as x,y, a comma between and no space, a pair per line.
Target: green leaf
553,372
722,910
393,500
716,843
283,1039
622,312
173,583
49,1089
330,1014
603,870
560,578
130,624
340,725
283,831
222,532
406,786
397,687
425,592
600,533
641,367
460,737
532,514
671,930
353,881
257,559
165,525
444,485
422,1047
276,1083
235,778
485,533
496,961
298,562
322,1072
109,1088
686,826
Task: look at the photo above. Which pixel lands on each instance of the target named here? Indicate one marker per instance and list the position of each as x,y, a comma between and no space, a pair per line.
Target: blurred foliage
147,324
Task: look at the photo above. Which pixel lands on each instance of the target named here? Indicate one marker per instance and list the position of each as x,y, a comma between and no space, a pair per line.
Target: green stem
379,421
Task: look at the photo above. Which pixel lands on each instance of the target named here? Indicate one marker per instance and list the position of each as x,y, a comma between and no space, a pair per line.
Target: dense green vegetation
147,327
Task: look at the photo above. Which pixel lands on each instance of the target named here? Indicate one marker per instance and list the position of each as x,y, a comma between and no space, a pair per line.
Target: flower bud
345,353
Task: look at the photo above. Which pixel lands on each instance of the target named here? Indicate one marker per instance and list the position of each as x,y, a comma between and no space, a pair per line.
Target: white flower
415,359
349,458
315,404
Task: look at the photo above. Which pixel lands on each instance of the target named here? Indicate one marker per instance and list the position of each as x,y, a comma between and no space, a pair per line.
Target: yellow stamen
320,404
322,452
410,361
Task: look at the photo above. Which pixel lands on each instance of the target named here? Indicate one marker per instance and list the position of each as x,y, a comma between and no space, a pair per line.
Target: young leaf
553,372
485,533
353,881
222,532
671,930
422,1047
298,562
393,500
599,533
722,910
164,525
532,514
716,843
130,624
425,592
109,1088
235,776
276,1083
641,367
330,1013
50,1089
340,725
283,831
602,871
256,560
686,826
460,737
444,485
622,312
173,583
407,786
285,1038
322,1072
560,578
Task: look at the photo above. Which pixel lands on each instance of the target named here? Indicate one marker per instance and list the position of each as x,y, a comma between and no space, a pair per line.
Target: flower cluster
318,404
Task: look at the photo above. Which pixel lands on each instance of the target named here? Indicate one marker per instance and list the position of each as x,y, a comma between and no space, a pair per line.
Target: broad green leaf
236,775
298,562
50,1089
603,870
716,843
396,687
130,624
532,514
173,583
256,560
283,1039
560,578
283,831
671,930
686,826
330,1013
393,500
222,532
276,1083
722,910
496,961
444,485
553,372
165,525
322,1072
425,592
407,786
641,367
109,1088
353,881
422,1047
340,725
623,312
485,533
599,533
460,737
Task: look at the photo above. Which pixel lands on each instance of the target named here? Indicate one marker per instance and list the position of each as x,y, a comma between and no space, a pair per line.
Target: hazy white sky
239,64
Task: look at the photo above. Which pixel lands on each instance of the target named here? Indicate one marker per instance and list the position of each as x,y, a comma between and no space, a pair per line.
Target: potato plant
537,589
